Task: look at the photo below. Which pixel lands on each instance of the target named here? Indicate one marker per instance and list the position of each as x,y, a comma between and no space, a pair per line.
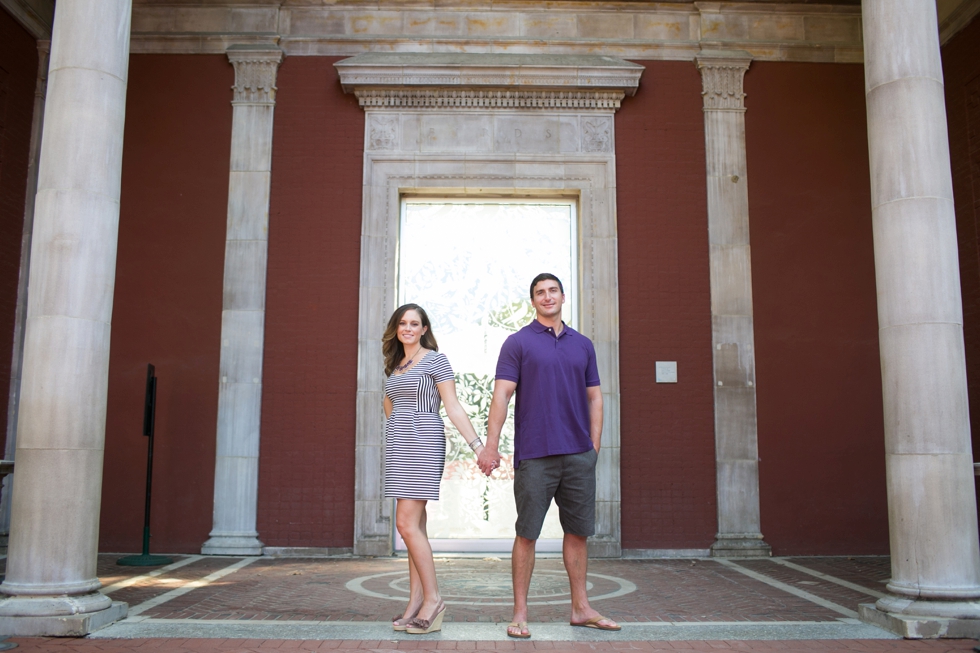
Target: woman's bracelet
477,442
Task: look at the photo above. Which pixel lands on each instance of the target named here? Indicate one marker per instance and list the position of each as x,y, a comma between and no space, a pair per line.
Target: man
557,431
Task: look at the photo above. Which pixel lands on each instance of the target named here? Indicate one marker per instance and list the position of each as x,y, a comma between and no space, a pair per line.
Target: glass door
469,263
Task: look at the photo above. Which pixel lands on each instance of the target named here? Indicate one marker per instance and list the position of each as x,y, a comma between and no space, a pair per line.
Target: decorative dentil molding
443,98
722,74
255,73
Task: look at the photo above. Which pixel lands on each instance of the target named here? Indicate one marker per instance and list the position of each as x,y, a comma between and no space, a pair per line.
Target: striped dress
415,437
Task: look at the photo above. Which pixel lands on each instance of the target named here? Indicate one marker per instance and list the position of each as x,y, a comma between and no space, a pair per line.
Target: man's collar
540,328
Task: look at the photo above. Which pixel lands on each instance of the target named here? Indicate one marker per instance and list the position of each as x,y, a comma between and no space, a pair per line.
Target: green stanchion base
144,561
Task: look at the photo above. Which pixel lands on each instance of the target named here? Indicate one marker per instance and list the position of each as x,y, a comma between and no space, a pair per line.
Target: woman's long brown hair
392,347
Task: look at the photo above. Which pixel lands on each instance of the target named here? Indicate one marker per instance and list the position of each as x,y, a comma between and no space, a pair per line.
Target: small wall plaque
666,371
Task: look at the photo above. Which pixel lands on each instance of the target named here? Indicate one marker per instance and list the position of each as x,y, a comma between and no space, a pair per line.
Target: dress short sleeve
441,369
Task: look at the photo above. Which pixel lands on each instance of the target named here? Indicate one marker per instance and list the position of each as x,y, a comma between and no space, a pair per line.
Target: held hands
488,460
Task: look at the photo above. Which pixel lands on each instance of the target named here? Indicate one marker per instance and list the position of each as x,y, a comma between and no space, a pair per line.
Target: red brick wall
167,304
306,473
821,437
18,70
961,70
819,391
668,453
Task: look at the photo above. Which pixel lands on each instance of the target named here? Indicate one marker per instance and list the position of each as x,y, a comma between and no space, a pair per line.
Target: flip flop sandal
520,625
594,623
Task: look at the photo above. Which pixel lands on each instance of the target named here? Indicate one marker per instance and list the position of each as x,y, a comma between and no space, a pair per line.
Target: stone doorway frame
486,126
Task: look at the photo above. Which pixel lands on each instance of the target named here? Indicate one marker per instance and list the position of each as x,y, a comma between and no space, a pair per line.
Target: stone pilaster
236,474
20,312
932,508
732,331
51,579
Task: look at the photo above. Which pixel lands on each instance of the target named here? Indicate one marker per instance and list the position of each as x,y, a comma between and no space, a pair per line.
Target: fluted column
20,313
732,331
932,508
51,579
236,474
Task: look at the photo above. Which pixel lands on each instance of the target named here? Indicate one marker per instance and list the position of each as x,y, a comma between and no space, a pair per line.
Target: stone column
732,333
236,473
51,579
20,313
931,497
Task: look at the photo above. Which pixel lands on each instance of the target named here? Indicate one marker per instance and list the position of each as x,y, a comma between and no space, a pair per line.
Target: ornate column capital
255,73
722,73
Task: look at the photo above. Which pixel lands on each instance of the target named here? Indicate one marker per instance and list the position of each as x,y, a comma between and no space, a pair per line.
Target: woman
415,450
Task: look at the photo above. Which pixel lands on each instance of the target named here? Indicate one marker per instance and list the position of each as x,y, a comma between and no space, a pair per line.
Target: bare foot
519,630
592,619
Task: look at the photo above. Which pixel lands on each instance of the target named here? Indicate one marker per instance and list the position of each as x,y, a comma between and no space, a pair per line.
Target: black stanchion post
149,423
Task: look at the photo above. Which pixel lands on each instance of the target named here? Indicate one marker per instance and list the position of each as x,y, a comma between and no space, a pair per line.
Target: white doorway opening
469,263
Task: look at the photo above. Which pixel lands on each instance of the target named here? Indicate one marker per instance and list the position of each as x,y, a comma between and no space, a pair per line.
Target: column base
374,546
740,545
600,547
916,626
232,545
308,551
54,625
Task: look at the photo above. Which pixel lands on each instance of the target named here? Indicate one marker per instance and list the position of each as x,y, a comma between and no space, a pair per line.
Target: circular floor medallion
469,587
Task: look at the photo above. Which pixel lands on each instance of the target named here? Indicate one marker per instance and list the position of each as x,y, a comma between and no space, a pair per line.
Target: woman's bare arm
458,416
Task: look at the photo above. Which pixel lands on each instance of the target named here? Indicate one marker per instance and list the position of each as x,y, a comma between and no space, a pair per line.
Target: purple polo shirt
551,416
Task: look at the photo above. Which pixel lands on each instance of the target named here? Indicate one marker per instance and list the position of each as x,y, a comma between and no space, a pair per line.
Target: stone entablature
400,82
636,30
480,71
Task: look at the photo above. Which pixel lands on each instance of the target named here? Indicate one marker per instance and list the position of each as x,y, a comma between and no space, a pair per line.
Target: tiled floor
206,604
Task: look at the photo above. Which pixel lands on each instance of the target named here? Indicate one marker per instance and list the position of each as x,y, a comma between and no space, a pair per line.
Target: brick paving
667,590
870,571
109,572
177,645
823,588
686,595
156,586
307,589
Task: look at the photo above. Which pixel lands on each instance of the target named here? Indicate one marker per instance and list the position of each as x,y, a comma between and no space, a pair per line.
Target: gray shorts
569,480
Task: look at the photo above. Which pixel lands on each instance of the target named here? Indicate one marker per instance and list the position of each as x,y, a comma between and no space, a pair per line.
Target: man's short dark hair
546,276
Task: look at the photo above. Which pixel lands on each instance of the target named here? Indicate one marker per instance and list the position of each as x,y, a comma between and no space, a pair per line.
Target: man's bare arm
502,392
595,415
